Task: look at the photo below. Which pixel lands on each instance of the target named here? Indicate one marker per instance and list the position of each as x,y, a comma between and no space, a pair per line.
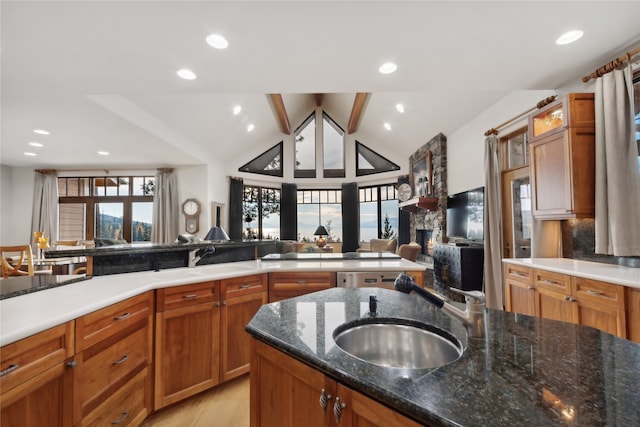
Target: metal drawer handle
552,282
118,362
517,273
124,316
190,296
530,287
569,298
121,419
10,369
245,286
592,292
302,282
324,400
338,407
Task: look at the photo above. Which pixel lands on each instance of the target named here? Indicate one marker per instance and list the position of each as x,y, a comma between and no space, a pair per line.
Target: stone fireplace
433,222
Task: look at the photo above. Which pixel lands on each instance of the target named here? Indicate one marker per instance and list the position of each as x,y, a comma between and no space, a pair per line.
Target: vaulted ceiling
102,75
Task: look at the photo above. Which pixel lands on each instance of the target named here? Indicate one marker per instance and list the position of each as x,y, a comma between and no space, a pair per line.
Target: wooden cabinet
562,153
519,289
605,306
287,393
187,341
241,297
600,305
633,314
288,285
553,296
36,379
117,346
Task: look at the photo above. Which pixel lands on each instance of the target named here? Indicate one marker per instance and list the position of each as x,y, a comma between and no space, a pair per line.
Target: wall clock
404,192
191,211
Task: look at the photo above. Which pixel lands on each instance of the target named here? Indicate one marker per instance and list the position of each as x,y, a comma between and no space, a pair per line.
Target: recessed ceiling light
103,153
400,108
41,131
569,37
28,153
387,126
35,144
186,74
388,68
236,110
217,41
250,127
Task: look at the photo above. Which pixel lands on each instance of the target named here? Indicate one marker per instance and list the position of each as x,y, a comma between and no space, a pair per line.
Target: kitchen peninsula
527,371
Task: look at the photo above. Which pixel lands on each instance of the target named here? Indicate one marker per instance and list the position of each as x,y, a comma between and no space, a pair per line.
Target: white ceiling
102,75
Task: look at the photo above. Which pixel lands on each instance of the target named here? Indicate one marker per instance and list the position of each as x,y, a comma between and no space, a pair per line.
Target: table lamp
320,232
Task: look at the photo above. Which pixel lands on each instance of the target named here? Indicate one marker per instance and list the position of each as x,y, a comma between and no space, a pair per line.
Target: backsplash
579,242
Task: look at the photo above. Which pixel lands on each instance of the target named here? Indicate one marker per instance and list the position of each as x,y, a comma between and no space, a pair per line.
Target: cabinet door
555,306
551,176
600,305
359,410
43,400
520,297
187,353
633,314
235,345
286,392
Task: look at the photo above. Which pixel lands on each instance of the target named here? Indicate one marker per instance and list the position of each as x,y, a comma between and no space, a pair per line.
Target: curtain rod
546,101
106,171
607,68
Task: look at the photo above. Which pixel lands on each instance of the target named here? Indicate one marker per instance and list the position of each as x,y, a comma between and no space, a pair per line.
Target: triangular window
267,163
305,148
368,162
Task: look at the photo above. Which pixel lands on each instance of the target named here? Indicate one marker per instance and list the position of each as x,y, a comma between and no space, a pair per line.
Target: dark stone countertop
528,371
16,286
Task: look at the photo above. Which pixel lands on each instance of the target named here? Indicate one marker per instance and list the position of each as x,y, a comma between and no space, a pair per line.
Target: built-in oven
361,279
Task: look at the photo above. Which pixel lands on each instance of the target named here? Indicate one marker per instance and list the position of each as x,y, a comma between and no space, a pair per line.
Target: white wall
465,147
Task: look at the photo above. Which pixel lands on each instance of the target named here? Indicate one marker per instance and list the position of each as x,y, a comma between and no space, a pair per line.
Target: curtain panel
44,216
492,224
617,176
165,208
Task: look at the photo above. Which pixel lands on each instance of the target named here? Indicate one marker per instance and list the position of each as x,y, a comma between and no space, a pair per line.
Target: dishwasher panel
361,279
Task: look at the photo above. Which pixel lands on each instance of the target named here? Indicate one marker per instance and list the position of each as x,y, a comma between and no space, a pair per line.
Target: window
105,207
333,148
378,213
319,207
369,162
261,213
305,147
267,163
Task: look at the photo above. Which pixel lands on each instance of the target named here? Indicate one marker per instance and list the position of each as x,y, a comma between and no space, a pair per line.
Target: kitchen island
527,371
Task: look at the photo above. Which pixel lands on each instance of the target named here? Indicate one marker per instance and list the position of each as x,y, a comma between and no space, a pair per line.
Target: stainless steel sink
399,345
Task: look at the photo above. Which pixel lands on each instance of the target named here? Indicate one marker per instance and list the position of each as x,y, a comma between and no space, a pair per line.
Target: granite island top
527,371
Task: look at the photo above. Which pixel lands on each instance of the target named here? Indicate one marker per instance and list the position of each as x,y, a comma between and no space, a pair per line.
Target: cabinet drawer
30,356
107,366
599,292
288,279
128,406
239,286
552,281
101,324
188,295
518,272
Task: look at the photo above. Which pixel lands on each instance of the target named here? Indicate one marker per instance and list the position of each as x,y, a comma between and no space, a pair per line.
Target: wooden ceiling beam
357,111
281,113
318,97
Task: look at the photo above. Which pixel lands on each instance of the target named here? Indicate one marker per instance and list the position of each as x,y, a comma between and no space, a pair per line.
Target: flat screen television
465,215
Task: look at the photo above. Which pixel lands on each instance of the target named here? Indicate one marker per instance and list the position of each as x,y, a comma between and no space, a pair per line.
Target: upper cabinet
562,158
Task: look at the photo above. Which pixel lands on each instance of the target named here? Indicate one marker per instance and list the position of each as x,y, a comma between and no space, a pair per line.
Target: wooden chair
14,258
409,251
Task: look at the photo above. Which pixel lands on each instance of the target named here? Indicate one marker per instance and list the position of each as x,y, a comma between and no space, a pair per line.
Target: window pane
308,221
368,221
141,214
109,220
331,218
270,213
123,186
333,145
72,221
389,211
305,145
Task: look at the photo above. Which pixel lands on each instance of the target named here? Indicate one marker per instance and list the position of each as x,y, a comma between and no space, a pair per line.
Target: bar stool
14,258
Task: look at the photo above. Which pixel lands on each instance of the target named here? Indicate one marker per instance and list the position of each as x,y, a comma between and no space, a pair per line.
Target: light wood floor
224,406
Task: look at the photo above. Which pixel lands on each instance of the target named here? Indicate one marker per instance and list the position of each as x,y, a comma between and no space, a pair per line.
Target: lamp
321,231
217,233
